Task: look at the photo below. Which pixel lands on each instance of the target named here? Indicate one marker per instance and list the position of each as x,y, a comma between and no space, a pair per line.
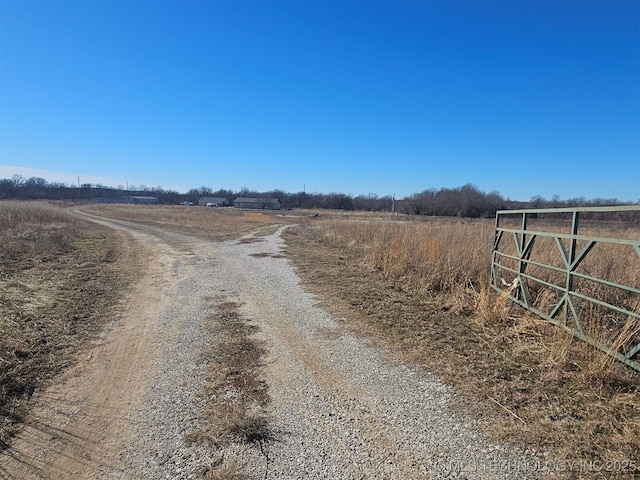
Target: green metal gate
577,268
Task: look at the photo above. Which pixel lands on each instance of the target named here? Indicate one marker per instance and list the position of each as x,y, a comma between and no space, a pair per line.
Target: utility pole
393,203
78,181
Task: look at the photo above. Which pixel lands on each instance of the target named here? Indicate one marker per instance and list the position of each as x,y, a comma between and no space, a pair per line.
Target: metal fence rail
555,282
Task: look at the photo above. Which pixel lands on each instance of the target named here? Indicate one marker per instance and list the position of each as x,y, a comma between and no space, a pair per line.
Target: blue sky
523,98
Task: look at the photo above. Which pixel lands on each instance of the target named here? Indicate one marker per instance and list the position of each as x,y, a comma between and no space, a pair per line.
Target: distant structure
257,203
108,200
213,202
141,200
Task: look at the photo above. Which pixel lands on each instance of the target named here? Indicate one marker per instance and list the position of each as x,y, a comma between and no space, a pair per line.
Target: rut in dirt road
123,409
339,408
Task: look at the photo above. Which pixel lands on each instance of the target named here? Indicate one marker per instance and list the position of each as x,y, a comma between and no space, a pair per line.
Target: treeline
35,188
464,201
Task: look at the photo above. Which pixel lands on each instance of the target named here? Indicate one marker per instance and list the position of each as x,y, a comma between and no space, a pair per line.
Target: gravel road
340,408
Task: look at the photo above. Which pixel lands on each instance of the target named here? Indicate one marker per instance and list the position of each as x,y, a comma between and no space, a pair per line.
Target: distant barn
257,203
213,202
142,200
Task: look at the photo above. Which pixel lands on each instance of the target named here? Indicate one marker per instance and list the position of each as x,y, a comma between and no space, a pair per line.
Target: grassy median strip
235,395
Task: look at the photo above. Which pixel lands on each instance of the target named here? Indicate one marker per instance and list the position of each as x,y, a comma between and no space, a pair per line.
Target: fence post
568,302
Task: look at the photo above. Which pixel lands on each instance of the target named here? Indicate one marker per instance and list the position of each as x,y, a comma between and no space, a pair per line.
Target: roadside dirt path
339,407
84,421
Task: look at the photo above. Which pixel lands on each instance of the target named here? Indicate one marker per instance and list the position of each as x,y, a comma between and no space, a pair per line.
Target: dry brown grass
426,254
217,471
59,280
423,289
235,395
206,222
34,228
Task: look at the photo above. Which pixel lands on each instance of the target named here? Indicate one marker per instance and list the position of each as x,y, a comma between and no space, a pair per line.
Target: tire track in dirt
84,421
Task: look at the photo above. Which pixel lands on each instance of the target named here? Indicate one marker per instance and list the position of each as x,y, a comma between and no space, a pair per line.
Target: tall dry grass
428,257
34,228
551,391
453,257
433,256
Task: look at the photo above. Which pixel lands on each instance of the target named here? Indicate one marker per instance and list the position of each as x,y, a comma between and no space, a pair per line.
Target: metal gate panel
548,262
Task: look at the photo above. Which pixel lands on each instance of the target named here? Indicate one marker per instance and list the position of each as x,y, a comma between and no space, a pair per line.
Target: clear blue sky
524,98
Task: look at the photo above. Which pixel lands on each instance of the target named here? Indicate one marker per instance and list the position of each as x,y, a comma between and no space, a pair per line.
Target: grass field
422,288
417,286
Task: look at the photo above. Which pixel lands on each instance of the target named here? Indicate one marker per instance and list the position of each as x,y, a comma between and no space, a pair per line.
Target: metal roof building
142,200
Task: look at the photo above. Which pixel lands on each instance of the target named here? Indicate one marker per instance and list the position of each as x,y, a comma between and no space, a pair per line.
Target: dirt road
340,408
